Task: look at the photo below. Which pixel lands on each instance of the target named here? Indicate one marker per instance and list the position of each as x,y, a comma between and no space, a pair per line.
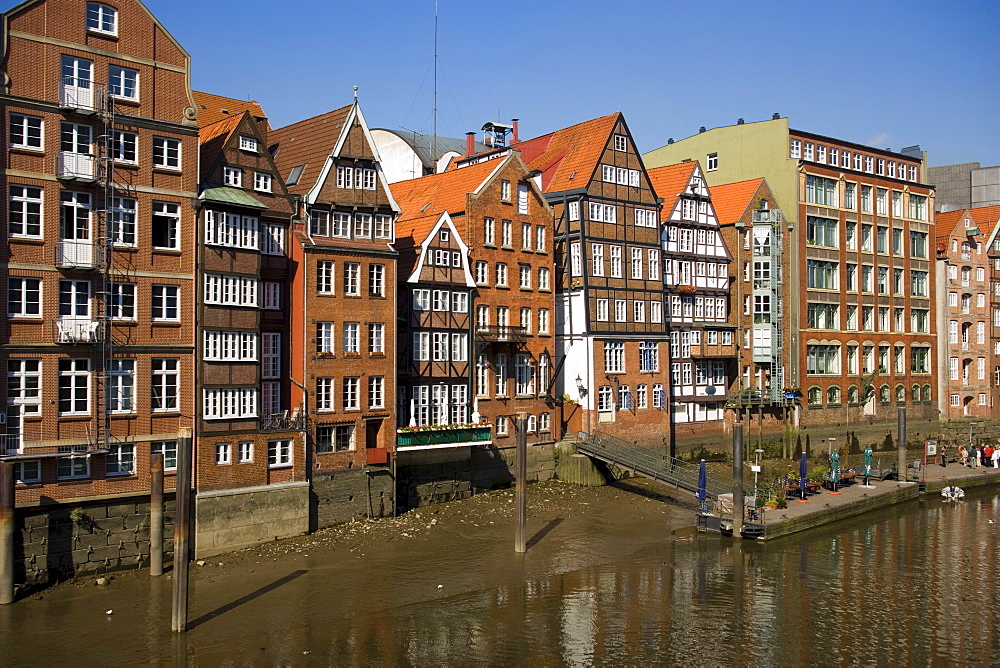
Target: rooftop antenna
434,141
355,93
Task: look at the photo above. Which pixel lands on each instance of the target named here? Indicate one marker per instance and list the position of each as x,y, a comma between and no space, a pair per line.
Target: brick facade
94,220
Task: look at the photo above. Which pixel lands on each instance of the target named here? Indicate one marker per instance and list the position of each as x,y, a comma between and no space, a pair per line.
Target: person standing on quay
944,456
975,456
963,454
996,457
988,455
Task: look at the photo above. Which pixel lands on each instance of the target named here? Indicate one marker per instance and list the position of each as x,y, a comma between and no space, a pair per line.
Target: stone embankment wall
346,496
437,476
56,543
229,520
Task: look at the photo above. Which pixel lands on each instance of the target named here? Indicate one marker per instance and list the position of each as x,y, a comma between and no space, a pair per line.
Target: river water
605,582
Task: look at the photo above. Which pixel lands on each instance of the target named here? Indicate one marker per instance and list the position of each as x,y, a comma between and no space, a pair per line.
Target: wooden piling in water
521,509
738,504
156,514
182,533
6,533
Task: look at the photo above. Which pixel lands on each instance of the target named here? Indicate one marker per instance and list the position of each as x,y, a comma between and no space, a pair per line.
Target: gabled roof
567,158
423,200
670,181
309,143
213,138
214,108
951,223
731,200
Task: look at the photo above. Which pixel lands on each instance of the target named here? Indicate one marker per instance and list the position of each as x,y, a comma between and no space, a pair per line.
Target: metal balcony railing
77,93
76,166
73,254
501,333
282,422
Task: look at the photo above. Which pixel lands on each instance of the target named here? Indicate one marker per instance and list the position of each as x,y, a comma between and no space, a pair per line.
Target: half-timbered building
696,295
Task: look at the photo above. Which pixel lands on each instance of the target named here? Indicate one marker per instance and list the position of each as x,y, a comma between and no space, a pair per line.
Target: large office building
859,224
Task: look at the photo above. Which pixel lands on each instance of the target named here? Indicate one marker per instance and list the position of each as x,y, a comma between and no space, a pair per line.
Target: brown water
607,585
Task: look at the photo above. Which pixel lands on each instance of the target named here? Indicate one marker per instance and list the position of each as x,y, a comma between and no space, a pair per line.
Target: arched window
884,394
852,394
927,392
833,394
901,393
815,396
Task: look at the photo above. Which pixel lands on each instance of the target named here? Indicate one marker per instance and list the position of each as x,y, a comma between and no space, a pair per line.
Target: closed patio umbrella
802,476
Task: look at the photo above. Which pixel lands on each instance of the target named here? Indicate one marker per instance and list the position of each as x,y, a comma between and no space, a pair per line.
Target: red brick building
969,330
248,432
343,298
476,258
609,320
100,254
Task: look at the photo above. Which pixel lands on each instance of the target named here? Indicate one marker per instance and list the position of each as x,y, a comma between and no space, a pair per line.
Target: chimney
470,143
701,129
513,122
775,116
739,121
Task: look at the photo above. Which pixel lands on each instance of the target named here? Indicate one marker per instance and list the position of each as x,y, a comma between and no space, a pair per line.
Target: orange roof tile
423,200
567,158
212,139
307,143
669,181
731,200
985,217
214,108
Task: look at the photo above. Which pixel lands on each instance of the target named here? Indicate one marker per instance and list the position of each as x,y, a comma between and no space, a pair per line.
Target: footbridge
649,463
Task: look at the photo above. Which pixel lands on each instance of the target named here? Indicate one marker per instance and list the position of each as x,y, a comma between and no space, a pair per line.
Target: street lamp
971,425
580,388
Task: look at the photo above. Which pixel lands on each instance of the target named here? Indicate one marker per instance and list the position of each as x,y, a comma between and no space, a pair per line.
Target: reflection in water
914,584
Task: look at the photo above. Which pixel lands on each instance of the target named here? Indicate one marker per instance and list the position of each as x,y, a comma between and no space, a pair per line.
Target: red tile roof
423,200
568,158
308,143
214,108
950,223
731,200
668,182
213,139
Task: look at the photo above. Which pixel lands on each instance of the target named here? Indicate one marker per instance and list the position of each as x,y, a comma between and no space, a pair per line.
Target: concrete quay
855,499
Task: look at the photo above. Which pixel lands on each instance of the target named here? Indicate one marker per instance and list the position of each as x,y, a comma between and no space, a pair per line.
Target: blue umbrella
702,483
802,475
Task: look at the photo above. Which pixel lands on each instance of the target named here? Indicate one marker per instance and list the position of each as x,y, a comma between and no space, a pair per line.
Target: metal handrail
651,463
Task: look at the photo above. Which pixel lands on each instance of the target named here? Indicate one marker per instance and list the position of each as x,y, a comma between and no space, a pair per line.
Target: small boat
953,493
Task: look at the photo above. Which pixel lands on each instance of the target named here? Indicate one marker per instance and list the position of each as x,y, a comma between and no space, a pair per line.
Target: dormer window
621,143
102,18
262,182
444,236
505,190
248,144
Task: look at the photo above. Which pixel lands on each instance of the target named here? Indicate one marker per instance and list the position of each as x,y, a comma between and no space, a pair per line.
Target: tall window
165,224
25,215
376,280
165,384
166,302
614,357
352,278
649,357
24,379
324,277
74,386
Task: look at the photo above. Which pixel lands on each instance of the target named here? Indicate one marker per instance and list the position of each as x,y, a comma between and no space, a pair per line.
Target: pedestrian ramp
650,464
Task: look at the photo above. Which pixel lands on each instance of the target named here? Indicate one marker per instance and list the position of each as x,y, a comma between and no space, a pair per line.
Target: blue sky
889,74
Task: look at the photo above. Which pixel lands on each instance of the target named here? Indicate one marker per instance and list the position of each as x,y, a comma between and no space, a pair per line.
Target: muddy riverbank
254,603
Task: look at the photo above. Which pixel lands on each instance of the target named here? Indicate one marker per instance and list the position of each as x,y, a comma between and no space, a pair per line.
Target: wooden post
6,533
738,504
901,442
521,508
156,514
182,533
